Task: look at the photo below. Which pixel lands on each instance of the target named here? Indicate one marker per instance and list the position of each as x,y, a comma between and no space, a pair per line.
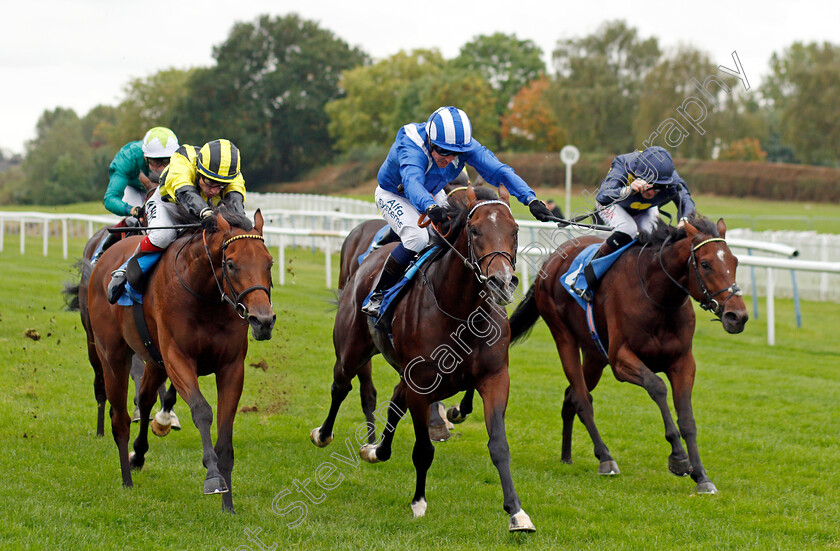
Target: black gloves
234,202
437,214
136,212
189,198
540,211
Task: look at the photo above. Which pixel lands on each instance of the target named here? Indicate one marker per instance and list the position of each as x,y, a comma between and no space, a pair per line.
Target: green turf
767,423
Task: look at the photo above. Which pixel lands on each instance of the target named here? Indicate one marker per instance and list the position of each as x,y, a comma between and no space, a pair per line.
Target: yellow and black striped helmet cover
219,160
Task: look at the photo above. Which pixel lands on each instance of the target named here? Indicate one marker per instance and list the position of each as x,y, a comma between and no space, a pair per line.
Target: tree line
294,96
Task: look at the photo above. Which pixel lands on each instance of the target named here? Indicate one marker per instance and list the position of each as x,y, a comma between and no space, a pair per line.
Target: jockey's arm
497,173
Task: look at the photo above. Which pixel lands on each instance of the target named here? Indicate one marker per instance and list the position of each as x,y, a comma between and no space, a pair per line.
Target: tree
804,90
747,149
506,63
367,114
529,124
267,94
598,82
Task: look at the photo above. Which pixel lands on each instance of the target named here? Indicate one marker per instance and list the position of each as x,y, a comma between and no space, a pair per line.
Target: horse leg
423,453
579,400
629,368
374,453
98,388
682,383
229,388
341,386
368,395
167,403
137,368
150,381
116,389
438,431
494,393
458,414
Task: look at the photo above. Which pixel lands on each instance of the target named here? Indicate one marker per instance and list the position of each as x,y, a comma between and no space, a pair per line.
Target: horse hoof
608,468
418,507
706,488
438,433
160,429
368,453
135,417
680,467
521,522
315,436
136,464
215,485
453,415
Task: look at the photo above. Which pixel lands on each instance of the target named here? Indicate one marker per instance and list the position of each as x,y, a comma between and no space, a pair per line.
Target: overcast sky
82,53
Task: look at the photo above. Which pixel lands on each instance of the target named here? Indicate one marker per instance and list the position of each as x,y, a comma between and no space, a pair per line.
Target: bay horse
447,335
356,244
77,296
646,323
207,288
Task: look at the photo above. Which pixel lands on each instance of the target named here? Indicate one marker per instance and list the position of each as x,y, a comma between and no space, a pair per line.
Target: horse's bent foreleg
374,453
457,414
494,393
629,368
341,386
682,383
229,387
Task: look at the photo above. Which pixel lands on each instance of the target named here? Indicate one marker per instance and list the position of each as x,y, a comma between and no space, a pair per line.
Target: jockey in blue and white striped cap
422,160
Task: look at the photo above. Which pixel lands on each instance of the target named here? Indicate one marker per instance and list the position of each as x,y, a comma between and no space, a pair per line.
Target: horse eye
229,265
705,265
474,231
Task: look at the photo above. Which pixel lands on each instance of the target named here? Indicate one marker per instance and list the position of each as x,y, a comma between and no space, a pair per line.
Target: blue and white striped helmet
449,128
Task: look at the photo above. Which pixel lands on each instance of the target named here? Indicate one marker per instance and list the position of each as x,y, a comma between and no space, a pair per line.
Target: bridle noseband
709,303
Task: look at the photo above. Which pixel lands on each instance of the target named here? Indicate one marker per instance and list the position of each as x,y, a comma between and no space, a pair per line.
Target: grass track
767,422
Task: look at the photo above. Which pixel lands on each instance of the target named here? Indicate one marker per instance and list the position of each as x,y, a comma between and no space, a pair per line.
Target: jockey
422,160
636,185
136,169
195,181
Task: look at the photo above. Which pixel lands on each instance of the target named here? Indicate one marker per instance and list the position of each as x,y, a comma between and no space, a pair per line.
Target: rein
709,303
233,298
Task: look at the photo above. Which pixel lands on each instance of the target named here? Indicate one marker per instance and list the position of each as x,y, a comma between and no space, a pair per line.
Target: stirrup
116,286
371,308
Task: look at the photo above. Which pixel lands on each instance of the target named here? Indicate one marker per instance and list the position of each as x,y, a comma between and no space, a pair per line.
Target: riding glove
540,211
189,198
234,201
436,214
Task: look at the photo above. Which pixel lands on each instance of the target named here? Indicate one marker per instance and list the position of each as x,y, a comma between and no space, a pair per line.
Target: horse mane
235,219
458,215
662,232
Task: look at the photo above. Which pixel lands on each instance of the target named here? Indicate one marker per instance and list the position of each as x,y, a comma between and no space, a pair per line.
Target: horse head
492,237
246,274
711,276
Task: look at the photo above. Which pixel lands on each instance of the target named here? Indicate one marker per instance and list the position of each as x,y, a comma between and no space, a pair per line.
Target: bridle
709,303
227,291
473,263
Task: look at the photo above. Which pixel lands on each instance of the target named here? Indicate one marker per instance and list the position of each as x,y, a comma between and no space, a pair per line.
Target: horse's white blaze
419,507
720,255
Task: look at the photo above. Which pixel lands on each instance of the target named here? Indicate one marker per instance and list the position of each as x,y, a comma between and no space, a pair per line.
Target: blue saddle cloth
574,276
379,235
392,295
129,296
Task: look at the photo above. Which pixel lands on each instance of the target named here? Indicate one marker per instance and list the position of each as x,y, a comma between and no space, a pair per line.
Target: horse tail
71,288
524,317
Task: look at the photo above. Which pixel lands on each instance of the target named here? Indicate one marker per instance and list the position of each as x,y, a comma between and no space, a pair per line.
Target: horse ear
258,221
690,230
721,227
224,227
471,198
504,195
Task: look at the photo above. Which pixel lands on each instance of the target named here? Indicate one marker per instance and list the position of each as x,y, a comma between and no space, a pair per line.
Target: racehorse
77,294
355,244
646,323
205,291
447,335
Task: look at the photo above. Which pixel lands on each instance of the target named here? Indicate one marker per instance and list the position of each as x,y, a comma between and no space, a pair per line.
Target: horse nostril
514,282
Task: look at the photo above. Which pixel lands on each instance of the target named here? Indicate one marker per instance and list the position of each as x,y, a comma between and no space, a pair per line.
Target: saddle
575,280
391,296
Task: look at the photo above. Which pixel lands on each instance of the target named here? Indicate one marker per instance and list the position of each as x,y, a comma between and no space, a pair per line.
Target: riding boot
609,246
392,272
134,270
